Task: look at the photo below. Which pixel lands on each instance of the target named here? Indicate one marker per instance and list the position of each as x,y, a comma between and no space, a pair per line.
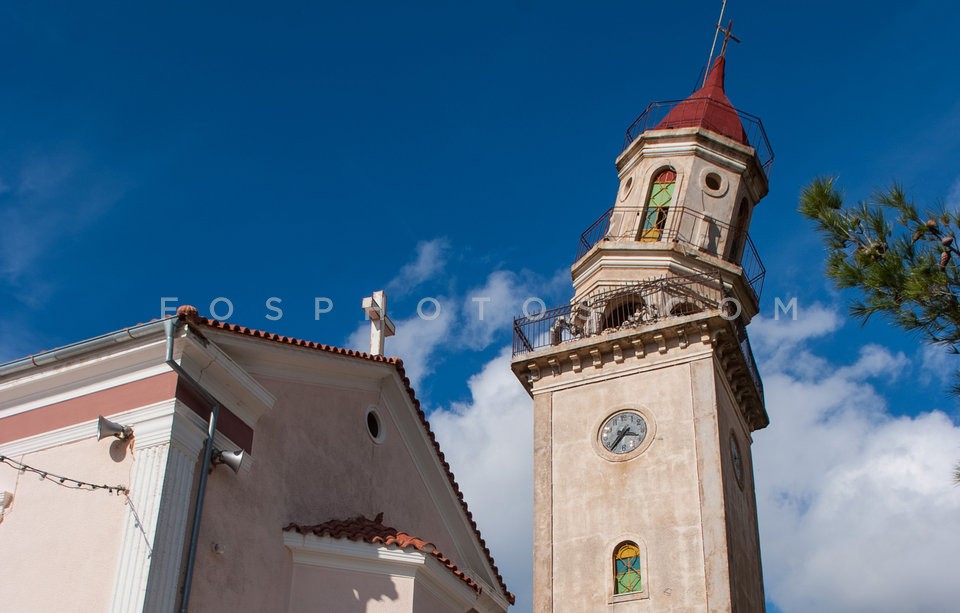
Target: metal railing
754,133
631,306
682,225
744,341
620,308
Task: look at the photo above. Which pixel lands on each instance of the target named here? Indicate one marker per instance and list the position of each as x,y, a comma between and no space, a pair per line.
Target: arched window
626,568
658,205
738,239
627,310
685,308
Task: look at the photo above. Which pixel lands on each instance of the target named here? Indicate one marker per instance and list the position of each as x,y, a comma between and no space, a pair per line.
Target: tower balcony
684,226
704,112
631,310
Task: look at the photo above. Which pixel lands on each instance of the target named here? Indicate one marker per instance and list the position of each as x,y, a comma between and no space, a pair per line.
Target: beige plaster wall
746,579
313,461
60,546
653,499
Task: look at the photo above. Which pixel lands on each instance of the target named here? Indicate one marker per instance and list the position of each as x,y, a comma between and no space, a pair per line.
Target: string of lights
62,481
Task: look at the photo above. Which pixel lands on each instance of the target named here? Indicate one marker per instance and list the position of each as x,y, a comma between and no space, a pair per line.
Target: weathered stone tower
645,389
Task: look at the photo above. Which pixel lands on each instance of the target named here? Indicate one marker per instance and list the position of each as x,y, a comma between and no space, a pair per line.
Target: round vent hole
713,181
373,424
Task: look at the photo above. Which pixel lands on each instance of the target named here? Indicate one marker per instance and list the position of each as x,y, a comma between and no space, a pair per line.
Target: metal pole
198,509
716,32
169,326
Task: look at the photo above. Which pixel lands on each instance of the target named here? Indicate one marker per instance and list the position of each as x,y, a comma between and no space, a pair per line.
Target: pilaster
166,451
543,502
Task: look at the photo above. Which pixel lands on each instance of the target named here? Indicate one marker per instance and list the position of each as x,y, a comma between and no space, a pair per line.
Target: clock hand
619,438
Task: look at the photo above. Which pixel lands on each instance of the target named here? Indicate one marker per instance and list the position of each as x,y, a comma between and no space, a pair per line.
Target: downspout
169,327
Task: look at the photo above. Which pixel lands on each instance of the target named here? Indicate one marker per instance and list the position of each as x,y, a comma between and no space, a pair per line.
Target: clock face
736,459
623,432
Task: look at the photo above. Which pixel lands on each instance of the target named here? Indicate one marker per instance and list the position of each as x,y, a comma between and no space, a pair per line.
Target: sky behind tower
299,150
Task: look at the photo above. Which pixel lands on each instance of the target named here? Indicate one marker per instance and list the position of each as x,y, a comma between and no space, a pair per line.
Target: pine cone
947,241
944,258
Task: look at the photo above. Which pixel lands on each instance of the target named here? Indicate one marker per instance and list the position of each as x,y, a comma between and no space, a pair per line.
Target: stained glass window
626,568
658,205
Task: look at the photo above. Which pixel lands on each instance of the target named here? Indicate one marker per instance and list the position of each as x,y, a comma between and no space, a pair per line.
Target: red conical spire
709,108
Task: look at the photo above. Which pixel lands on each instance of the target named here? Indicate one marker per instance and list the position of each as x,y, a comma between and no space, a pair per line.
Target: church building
191,464
644,386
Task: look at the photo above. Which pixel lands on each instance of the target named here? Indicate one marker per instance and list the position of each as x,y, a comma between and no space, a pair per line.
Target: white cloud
857,508
50,198
490,308
937,365
416,341
430,260
459,325
811,322
501,298
489,444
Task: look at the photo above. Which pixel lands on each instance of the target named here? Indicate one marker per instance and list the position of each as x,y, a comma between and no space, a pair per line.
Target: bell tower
645,388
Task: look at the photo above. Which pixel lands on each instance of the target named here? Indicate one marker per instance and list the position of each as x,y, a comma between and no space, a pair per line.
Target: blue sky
449,150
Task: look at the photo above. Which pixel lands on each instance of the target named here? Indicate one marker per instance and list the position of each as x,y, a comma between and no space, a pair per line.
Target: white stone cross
381,326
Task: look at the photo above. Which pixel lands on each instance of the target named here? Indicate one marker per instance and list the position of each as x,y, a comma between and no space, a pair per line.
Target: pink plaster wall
84,408
60,546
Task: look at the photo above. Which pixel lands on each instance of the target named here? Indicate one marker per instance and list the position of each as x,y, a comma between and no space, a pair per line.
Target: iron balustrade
630,306
744,341
753,128
622,307
682,225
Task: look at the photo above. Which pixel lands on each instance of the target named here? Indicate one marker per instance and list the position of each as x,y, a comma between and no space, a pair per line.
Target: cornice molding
292,363
60,382
224,379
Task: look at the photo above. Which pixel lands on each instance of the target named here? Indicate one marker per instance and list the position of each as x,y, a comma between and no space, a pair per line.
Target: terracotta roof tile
191,315
373,531
708,107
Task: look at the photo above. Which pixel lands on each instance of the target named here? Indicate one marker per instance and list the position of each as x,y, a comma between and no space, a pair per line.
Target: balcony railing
623,307
753,129
626,307
682,225
744,341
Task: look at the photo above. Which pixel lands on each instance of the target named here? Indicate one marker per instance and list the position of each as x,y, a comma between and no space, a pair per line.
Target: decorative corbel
661,342
705,334
682,336
534,372
554,366
617,354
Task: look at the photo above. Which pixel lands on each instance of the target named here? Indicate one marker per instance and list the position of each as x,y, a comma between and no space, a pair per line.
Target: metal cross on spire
727,36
